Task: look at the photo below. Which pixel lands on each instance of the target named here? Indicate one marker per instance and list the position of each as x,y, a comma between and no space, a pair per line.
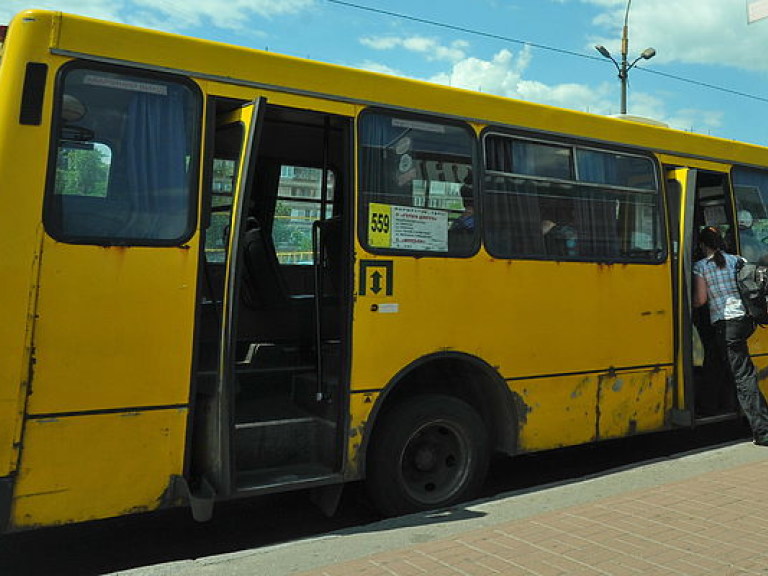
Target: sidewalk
703,513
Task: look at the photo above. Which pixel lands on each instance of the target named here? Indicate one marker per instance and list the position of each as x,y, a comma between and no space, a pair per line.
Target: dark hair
466,194
710,237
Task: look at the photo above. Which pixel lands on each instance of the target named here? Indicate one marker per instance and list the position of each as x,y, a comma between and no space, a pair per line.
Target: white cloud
91,8
169,15
429,47
693,120
381,42
372,66
687,31
500,75
230,15
504,74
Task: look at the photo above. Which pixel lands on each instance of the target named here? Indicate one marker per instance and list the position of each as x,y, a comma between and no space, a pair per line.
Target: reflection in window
83,169
416,185
227,149
301,200
537,205
123,159
751,188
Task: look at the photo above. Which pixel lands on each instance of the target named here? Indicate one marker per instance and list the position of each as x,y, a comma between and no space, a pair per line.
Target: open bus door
698,198
680,198
212,436
270,406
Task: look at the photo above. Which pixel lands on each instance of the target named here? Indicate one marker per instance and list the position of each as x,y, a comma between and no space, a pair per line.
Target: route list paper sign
407,228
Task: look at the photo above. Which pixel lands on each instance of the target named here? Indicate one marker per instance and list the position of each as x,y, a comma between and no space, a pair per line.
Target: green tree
83,172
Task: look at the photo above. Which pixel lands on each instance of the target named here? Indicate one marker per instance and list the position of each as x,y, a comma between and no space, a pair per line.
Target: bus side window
417,189
126,157
551,200
751,191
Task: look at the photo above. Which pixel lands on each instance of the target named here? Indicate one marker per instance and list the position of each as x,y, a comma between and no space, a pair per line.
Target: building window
301,199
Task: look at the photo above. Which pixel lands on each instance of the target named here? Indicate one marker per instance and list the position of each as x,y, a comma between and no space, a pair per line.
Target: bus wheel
429,452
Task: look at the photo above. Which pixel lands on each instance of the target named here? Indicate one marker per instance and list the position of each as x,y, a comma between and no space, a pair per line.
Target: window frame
734,174
194,161
577,144
475,165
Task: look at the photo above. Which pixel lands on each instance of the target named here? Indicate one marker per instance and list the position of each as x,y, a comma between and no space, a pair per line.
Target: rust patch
578,391
523,409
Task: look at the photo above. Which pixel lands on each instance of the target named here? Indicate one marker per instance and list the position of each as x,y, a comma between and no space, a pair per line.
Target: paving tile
715,524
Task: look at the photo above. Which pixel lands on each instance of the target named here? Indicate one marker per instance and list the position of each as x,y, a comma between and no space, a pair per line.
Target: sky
709,75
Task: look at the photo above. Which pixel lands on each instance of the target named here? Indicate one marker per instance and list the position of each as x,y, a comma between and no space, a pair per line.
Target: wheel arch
459,375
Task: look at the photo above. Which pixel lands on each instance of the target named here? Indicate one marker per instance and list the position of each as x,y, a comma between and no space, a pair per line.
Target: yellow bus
227,273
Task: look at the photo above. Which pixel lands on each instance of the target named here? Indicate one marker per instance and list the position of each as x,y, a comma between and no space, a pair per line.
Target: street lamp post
624,67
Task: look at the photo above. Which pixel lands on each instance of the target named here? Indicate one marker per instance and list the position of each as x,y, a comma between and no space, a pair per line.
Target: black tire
429,452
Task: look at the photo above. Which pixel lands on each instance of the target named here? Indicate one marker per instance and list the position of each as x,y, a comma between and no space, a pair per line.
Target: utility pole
624,67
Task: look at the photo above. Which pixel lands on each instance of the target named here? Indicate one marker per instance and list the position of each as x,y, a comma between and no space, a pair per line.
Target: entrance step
281,476
291,437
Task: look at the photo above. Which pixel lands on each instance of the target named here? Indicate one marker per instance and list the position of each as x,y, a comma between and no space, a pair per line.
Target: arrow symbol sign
377,276
376,286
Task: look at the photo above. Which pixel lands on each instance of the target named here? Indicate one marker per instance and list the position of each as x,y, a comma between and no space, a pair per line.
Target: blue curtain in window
596,209
511,211
157,142
379,171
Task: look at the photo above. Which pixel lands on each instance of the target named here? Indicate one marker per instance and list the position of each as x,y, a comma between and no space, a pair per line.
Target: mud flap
327,498
6,498
200,501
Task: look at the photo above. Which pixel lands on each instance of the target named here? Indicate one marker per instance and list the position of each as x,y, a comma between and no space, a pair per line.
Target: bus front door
275,419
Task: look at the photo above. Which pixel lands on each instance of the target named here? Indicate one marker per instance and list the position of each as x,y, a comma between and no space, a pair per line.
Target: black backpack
752,280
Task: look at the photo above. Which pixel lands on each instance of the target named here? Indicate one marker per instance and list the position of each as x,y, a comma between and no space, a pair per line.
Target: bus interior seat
264,286
270,314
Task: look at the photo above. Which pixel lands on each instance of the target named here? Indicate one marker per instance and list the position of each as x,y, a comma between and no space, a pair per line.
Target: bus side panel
555,331
569,410
124,463
560,411
114,328
633,402
22,165
360,406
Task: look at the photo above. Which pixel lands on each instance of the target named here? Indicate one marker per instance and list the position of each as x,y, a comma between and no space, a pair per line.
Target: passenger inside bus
559,239
461,234
751,246
714,392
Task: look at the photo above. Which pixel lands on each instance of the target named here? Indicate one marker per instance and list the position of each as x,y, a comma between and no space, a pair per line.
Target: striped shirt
722,292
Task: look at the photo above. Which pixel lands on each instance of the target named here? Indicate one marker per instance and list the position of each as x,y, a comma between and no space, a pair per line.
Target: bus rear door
700,196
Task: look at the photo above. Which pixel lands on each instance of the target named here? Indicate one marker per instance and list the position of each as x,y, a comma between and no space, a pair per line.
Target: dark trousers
731,336
717,392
